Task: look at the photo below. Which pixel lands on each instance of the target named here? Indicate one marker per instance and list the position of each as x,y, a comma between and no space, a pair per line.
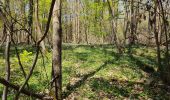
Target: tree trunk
30,19
7,57
156,38
132,25
167,68
113,28
7,62
78,21
38,26
57,43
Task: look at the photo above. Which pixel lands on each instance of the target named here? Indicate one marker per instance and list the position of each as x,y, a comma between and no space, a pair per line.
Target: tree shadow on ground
70,88
114,89
84,56
145,67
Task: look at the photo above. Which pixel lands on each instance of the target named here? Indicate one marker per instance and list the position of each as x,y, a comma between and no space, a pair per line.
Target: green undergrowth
90,72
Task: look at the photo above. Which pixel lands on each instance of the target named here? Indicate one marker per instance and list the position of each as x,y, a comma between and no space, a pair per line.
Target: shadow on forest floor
115,88
145,67
100,73
77,84
126,89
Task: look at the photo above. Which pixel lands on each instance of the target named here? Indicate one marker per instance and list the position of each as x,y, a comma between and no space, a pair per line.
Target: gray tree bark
57,43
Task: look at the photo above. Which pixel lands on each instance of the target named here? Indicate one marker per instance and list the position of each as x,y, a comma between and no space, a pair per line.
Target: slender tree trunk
7,63
57,43
30,19
7,57
126,22
165,30
113,28
149,28
156,38
167,68
85,25
24,21
38,26
132,25
78,20
137,12
4,35
73,22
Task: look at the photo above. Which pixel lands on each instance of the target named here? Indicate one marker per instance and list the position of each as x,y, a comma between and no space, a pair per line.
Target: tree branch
30,73
48,22
24,91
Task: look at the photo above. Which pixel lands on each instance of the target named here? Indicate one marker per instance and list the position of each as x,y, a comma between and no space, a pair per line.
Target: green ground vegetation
92,72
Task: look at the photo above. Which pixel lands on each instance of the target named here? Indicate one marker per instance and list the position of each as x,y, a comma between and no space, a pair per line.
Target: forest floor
93,73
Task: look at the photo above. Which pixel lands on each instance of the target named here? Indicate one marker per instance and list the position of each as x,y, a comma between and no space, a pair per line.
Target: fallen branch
24,91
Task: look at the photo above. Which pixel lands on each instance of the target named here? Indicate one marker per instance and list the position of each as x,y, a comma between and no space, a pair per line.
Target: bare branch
24,91
48,23
30,73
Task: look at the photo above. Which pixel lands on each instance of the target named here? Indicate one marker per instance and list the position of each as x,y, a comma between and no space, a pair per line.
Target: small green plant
25,58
